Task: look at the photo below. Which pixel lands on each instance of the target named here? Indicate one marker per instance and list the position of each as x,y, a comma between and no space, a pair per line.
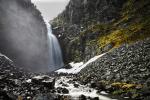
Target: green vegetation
126,88
133,92
121,88
125,85
58,21
75,50
130,34
118,92
133,25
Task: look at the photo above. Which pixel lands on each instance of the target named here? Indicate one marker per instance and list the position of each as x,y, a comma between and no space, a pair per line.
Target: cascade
55,54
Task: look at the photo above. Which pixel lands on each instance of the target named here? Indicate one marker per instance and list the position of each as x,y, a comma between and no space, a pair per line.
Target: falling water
55,54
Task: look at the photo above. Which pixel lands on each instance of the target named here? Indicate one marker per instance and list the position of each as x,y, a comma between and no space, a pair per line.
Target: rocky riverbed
17,84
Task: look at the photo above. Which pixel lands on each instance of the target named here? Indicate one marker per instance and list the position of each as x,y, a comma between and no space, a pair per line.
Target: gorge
105,51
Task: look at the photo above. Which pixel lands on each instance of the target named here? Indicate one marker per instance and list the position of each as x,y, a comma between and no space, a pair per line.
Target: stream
78,91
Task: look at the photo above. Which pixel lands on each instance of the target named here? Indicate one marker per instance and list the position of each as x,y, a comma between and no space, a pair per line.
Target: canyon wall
23,35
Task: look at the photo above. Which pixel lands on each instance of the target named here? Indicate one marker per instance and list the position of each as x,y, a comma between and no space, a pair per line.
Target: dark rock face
79,11
23,34
82,97
79,14
65,91
68,42
81,27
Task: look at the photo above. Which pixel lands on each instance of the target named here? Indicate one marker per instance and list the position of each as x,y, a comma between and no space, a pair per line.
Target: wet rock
76,85
93,84
74,79
82,97
62,90
109,88
96,98
68,66
61,82
65,91
65,85
59,89
47,81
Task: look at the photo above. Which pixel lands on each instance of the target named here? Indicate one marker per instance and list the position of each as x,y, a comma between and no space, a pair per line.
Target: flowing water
76,92
55,53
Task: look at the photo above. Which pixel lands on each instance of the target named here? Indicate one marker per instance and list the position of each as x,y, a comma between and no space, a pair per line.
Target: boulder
93,84
96,98
82,97
65,91
62,90
44,80
76,85
68,66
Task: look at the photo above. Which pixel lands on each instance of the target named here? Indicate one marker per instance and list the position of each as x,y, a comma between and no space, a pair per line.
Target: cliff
84,33
23,35
78,16
119,28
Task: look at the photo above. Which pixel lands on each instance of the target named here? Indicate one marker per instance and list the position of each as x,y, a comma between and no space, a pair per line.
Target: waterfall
55,54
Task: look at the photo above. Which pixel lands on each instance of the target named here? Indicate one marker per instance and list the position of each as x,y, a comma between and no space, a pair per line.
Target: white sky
50,8
50,0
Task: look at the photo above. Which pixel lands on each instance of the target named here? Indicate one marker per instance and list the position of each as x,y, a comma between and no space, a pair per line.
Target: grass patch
129,34
120,85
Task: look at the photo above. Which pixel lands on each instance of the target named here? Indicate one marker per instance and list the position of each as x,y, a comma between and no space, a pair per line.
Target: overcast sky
50,8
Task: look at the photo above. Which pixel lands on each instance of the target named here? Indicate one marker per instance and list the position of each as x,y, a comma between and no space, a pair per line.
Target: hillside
128,23
120,28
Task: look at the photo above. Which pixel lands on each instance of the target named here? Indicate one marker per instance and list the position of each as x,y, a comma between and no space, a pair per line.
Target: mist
23,35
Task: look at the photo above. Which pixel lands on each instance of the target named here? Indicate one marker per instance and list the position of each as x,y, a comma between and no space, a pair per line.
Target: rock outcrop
88,28
23,35
80,11
79,14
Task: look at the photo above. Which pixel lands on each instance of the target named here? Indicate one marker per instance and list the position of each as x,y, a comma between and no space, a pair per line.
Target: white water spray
55,54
